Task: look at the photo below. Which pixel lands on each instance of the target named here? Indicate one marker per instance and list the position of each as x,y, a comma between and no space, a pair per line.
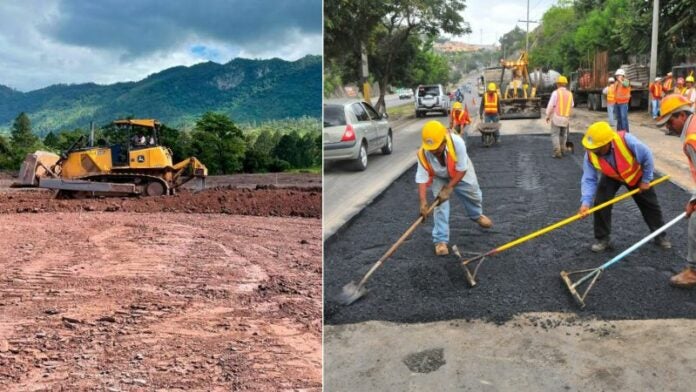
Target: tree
22,137
51,140
512,41
402,21
218,143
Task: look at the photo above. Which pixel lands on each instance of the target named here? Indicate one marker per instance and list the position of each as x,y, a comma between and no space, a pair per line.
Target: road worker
615,159
655,96
558,114
677,115
445,167
459,119
622,91
609,91
489,111
690,91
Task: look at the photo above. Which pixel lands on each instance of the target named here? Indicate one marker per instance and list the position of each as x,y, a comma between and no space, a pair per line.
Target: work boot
684,279
557,153
441,249
663,243
600,246
484,222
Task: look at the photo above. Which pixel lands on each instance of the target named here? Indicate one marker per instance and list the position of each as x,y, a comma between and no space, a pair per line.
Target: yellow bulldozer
137,165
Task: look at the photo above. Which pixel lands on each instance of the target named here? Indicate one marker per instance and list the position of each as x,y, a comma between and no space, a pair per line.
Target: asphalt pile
524,190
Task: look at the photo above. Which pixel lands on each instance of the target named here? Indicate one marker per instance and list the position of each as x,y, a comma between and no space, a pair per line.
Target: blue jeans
492,119
655,107
469,194
621,111
612,119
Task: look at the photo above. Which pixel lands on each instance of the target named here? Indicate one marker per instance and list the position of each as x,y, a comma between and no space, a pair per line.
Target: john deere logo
429,141
141,158
589,140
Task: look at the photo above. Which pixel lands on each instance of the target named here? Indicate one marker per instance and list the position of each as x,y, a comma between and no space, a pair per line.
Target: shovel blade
351,293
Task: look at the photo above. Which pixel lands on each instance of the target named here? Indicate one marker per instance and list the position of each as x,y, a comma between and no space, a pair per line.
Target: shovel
471,275
594,273
352,292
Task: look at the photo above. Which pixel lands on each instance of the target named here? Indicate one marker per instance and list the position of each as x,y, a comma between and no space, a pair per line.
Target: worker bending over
620,159
445,167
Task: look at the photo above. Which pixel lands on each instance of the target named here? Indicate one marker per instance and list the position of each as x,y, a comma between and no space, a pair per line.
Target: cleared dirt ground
182,293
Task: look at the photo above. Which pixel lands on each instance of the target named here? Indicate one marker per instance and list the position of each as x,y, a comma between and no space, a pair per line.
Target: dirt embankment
262,201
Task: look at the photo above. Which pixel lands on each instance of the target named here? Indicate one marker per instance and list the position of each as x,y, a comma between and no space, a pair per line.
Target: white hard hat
620,72
611,79
657,79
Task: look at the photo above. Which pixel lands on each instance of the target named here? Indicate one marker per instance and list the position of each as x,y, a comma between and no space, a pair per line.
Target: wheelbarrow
488,131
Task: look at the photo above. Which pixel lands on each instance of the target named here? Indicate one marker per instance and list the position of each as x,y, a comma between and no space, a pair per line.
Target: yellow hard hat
671,104
457,105
562,80
433,134
597,135
690,78
491,86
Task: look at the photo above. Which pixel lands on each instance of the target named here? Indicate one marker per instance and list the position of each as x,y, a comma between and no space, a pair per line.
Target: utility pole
526,45
653,43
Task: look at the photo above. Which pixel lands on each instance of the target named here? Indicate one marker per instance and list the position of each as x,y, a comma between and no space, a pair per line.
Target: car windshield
334,116
428,90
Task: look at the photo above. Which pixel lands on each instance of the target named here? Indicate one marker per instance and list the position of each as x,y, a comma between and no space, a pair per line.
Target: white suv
431,98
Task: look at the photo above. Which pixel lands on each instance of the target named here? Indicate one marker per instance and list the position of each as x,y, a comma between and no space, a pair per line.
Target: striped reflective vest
627,170
450,159
623,94
656,90
611,96
460,117
565,98
490,103
690,139
667,84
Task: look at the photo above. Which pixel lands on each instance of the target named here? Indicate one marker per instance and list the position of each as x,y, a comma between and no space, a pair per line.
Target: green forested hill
246,90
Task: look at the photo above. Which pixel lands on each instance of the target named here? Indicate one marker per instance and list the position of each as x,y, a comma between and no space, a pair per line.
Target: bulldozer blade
351,293
35,166
518,108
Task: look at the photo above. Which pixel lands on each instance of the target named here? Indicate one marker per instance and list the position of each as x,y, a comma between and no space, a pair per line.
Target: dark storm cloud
140,27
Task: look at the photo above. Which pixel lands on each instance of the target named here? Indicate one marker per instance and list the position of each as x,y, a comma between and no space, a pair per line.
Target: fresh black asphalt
524,189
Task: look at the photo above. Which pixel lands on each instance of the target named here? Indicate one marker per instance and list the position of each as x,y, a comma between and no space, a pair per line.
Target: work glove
445,193
626,83
690,207
424,209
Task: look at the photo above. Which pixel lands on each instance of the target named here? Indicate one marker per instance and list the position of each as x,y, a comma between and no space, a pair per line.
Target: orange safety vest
490,103
656,90
667,84
565,98
623,94
461,118
611,98
450,159
690,139
629,170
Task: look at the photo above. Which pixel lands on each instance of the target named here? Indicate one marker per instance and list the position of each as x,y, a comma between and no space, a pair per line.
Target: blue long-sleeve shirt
590,175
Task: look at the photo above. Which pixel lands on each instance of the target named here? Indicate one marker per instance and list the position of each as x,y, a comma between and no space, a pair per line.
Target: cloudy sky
46,42
489,20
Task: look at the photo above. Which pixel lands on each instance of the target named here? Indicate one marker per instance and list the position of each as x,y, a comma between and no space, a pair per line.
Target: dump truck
588,83
518,97
135,165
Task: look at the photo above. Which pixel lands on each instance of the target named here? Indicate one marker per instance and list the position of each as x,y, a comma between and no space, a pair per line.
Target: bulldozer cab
133,134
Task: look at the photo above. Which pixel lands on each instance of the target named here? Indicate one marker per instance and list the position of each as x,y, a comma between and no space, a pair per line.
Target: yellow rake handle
574,217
